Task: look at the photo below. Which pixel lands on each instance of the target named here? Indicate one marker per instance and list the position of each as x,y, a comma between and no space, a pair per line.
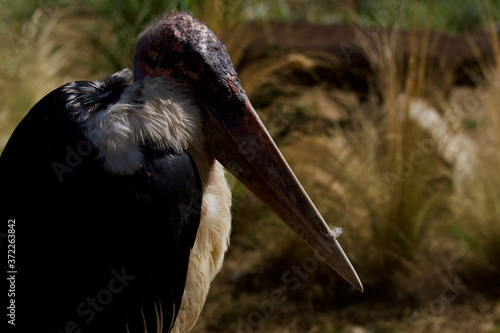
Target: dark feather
94,250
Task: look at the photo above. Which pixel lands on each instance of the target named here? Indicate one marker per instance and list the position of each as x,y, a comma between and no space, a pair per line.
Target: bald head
182,47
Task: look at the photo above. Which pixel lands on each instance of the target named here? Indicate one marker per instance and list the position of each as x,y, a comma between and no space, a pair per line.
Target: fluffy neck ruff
155,112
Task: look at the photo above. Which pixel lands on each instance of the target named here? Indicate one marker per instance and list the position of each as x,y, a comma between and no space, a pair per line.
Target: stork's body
121,206
92,234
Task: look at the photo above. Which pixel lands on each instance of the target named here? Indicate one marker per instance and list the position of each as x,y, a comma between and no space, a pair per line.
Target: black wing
94,251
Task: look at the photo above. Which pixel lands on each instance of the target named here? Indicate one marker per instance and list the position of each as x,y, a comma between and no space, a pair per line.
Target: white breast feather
208,252
158,112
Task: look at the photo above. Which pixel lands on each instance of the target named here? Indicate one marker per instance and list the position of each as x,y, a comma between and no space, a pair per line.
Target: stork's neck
156,111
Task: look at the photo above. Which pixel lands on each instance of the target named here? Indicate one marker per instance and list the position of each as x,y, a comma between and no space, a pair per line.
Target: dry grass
402,175
48,50
399,171
478,204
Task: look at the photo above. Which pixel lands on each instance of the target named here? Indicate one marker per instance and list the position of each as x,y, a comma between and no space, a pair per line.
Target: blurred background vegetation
406,160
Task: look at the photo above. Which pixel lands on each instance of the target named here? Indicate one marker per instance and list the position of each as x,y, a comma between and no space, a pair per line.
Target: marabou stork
117,193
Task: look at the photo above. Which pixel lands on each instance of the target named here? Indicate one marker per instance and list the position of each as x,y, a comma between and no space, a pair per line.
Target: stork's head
178,46
181,47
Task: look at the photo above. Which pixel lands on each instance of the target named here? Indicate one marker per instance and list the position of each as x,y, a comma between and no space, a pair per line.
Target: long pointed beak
249,153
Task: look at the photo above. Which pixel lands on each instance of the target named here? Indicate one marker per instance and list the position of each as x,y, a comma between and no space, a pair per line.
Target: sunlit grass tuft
43,53
394,169
478,205
382,178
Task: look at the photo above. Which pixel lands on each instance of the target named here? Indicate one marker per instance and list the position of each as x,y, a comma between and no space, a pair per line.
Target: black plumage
94,250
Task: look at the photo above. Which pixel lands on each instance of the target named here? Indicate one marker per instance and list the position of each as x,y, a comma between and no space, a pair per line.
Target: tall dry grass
47,50
417,199
383,179
398,177
477,206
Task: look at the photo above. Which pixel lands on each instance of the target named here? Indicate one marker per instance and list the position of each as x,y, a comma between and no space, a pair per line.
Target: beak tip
342,265
353,278
359,286
268,175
